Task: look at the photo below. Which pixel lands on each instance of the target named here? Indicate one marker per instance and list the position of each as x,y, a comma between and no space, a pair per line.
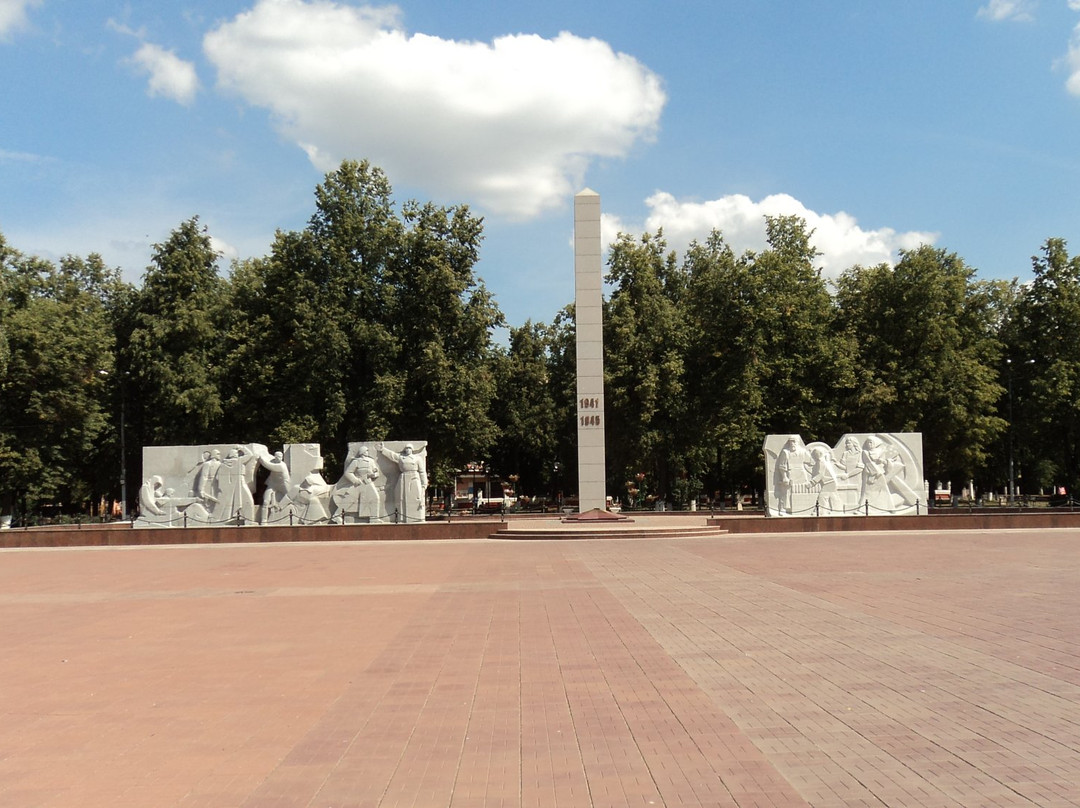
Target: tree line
371,322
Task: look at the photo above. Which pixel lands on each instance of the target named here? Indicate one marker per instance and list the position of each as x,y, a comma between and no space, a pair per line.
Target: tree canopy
56,360
371,322
1043,367
926,357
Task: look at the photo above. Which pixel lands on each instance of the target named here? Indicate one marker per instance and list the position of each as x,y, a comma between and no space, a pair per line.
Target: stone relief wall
237,484
865,473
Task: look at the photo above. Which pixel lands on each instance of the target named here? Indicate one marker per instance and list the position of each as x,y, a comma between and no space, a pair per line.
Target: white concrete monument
217,485
212,484
383,482
588,304
875,474
309,494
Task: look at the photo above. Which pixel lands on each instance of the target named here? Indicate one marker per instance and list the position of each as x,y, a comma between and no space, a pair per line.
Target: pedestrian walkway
873,669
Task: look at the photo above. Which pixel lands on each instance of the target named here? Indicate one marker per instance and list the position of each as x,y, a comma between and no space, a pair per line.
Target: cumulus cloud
170,76
1018,10
7,156
1072,59
13,15
224,248
1024,10
511,124
837,236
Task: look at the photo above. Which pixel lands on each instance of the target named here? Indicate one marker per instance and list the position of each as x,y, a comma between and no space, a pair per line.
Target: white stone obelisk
588,303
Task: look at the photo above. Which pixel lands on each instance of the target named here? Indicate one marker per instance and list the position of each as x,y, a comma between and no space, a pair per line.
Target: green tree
644,366
525,410
927,353
173,343
1043,352
367,324
56,358
357,234
562,373
288,358
7,256
311,352
766,353
443,319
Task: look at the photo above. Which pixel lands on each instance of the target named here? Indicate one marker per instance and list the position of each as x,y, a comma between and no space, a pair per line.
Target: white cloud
170,76
1018,10
226,250
1024,10
511,124
13,15
7,156
1072,59
838,237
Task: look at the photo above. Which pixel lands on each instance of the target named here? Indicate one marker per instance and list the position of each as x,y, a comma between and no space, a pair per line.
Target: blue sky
885,123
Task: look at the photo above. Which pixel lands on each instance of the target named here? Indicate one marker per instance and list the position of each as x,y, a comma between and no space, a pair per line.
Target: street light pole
1012,475
123,453
1012,468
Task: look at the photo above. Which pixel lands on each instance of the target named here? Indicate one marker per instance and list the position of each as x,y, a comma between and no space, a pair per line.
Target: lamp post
1012,467
123,447
123,453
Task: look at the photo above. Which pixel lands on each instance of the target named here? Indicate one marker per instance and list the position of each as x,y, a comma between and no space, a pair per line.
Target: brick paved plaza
874,669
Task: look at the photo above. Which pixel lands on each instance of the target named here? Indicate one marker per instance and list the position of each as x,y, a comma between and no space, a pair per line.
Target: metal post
123,450
866,507
1012,476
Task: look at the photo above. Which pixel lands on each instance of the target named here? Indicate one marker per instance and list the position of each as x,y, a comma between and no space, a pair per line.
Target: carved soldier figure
234,485
826,477
792,473
412,484
357,493
277,484
206,478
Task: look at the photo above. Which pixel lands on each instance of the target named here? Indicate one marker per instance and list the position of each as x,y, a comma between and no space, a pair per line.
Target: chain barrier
293,519
865,508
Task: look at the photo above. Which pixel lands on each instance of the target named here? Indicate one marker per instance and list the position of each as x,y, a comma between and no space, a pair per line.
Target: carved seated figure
312,497
356,497
151,497
159,505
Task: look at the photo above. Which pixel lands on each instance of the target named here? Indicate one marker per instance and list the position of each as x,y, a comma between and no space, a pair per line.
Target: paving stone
826,669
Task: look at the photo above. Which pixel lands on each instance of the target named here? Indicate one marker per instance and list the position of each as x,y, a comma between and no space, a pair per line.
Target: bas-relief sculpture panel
383,482
244,483
865,473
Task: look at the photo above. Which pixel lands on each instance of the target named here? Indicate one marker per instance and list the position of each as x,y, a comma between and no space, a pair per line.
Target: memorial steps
637,528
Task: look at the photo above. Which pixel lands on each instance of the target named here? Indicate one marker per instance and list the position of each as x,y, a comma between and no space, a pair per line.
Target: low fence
937,519
122,534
